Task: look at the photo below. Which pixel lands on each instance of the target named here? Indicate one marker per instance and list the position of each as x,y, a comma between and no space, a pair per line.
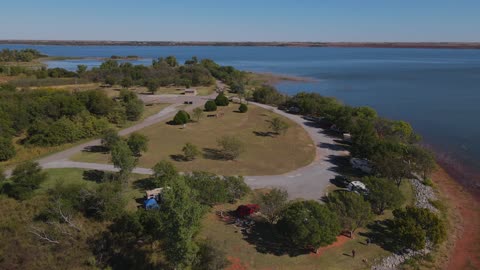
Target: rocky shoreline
423,196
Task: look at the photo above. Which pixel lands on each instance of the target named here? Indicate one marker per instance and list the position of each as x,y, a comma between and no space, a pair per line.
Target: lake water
436,90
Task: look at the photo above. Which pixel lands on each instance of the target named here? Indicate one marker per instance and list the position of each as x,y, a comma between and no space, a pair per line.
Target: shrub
26,178
278,126
211,257
221,100
231,147
243,108
210,106
182,117
7,150
190,151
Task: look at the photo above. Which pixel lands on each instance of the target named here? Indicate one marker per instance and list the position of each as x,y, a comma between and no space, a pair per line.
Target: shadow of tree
211,153
381,234
267,240
343,167
179,158
332,146
95,149
264,133
98,176
144,183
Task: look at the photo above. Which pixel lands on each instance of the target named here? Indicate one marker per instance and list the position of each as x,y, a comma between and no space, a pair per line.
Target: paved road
308,182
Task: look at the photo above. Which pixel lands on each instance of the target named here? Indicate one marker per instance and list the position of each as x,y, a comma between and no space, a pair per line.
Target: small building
190,92
154,193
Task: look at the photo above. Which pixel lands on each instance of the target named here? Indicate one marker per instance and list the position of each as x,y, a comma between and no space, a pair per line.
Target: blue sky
242,20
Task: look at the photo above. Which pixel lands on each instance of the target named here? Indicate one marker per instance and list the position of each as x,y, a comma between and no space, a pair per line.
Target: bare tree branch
42,235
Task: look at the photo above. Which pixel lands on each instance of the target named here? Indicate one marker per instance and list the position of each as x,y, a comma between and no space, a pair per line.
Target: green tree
81,69
273,203
382,194
181,118
171,61
190,151
122,158
25,178
163,172
411,227
184,216
2,177
221,100
243,108
390,160
267,94
137,143
352,210
7,150
236,188
104,202
152,86
197,114
210,188
127,82
110,138
278,126
231,147
210,257
134,109
210,106
364,139
422,161
309,224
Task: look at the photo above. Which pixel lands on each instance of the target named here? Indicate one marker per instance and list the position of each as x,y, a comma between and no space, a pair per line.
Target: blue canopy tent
151,204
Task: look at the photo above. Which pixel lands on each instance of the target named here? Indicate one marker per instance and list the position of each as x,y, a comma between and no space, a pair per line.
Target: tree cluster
51,118
25,55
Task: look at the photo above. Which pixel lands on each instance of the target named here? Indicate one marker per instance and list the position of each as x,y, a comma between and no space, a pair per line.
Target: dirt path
466,250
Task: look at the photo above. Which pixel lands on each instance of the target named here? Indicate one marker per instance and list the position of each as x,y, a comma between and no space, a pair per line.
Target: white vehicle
358,187
361,164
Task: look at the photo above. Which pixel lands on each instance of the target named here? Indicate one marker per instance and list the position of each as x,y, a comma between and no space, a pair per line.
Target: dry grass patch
263,155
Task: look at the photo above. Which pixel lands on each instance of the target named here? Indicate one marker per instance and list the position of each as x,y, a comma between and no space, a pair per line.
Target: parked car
357,187
361,164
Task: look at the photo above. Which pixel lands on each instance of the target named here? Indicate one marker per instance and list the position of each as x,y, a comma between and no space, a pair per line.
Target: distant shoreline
417,45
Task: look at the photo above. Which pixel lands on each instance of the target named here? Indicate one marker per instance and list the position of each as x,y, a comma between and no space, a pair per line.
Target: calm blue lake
437,90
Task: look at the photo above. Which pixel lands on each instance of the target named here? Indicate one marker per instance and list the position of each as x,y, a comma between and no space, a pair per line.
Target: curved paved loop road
308,182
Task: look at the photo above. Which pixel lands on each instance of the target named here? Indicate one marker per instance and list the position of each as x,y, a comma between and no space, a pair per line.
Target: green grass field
263,155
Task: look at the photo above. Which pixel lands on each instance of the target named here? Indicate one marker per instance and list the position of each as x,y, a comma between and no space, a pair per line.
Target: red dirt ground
466,251
236,264
341,239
